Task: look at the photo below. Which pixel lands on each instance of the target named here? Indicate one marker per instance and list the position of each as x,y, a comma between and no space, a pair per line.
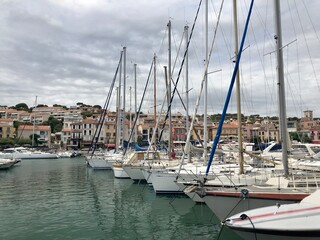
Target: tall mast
281,89
186,28
124,95
155,96
205,122
118,135
236,47
130,117
169,89
118,120
135,103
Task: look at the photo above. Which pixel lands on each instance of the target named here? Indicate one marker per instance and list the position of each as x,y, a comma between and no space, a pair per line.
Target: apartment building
7,129
25,131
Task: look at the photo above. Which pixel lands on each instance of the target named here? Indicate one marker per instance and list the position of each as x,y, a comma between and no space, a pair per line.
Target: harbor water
63,199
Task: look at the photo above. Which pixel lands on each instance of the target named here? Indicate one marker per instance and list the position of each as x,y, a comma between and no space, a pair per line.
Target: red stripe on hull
263,195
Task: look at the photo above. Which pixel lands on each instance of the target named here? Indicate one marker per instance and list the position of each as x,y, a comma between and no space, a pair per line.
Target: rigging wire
228,45
266,33
202,85
139,109
251,88
297,53
183,60
264,46
308,49
104,112
217,91
174,65
214,146
273,88
175,62
314,29
290,85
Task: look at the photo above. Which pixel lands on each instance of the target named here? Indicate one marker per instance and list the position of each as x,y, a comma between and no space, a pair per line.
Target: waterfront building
110,126
229,131
78,132
7,129
315,134
44,133
66,135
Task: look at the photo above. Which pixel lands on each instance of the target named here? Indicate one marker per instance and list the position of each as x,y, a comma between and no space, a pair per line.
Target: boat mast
205,123
155,96
130,117
118,109
236,47
186,32
219,130
135,102
169,89
118,135
124,96
281,89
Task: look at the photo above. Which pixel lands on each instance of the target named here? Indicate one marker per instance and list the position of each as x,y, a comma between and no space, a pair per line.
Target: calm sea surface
63,199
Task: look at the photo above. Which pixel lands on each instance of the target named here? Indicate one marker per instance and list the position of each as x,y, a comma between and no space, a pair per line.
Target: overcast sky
67,51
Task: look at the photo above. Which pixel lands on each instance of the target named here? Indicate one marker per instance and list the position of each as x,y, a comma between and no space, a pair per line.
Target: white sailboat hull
164,182
119,172
189,191
147,176
226,202
100,163
282,222
134,172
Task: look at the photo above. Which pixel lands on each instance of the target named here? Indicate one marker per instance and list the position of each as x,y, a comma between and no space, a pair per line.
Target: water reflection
63,199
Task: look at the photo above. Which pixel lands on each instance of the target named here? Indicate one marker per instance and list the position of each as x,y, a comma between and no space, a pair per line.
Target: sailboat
102,160
297,221
281,189
171,180
117,168
164,181
145,157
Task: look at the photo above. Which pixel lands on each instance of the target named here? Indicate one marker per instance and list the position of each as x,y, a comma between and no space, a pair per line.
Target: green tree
35,139
16,124
22,106
6,142
305,138
58,105
300,137
42,105
86,114
55,124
